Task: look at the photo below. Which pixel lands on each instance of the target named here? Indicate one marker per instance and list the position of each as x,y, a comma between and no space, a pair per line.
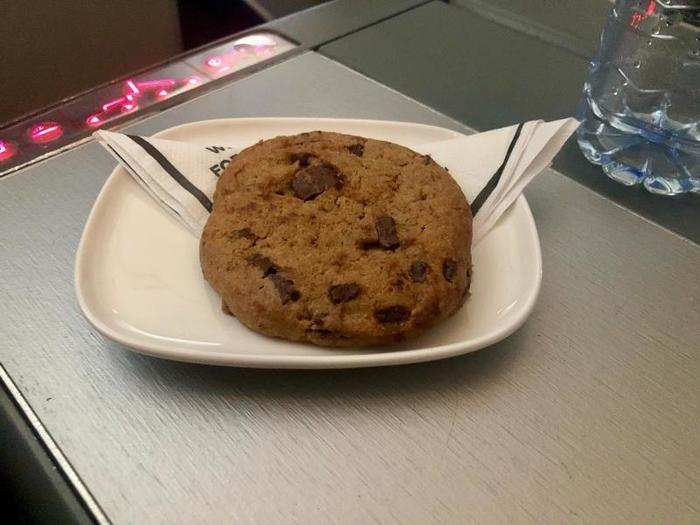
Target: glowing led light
132,87
134,90
214,61
7,150
154,84
255,40
93,120
45,132
107,106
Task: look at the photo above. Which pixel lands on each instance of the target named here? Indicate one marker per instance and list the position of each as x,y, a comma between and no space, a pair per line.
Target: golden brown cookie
337,240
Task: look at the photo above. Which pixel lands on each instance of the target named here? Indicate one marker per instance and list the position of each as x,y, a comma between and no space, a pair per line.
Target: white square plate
138,278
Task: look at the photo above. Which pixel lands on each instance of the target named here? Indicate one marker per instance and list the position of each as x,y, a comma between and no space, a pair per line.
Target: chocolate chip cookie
337,240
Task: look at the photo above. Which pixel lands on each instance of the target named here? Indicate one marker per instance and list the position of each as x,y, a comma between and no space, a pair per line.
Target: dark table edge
35,474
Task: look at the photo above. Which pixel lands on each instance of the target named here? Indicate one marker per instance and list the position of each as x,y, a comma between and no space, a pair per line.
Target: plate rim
270,361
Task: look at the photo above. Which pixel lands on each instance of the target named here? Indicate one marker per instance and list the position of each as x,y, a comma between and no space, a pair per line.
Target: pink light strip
132,87
45,131
154,84
114,103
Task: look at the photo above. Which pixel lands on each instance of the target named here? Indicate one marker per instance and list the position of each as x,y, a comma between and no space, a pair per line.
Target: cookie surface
337,240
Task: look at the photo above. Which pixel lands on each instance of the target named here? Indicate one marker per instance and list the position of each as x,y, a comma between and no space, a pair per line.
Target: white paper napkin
492,168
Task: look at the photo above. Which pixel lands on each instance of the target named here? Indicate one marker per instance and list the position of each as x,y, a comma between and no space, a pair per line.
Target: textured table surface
589,412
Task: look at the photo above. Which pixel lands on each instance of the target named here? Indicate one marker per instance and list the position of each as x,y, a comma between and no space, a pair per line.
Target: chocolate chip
246,233
314,180
318,318
342,293
449,269
392,314
367,244
357,149
386,235
285,287
263,263
397,283
427,159
417,271
321,332
302,158
386,232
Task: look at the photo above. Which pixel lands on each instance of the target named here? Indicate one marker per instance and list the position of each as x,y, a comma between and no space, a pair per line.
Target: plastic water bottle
640,111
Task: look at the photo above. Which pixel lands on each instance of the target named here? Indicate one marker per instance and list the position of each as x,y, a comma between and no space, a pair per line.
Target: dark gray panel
469,67
326,22
488,75
575,24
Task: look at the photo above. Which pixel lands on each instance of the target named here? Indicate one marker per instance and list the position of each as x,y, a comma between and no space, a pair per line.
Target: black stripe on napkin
134,173
493,181
173,171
